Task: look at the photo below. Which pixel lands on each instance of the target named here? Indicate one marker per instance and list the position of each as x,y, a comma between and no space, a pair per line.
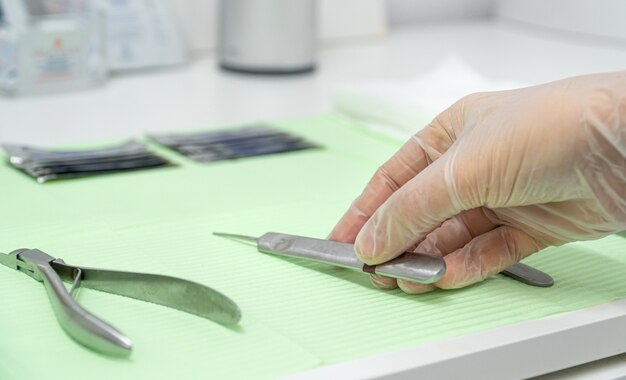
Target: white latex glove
497,177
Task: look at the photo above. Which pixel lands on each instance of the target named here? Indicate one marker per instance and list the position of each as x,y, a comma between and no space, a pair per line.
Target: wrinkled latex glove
497,177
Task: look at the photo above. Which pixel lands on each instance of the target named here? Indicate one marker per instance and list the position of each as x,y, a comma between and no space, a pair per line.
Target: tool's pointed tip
236,236
224,234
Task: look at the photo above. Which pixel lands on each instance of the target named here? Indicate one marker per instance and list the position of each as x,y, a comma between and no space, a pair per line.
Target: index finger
416,154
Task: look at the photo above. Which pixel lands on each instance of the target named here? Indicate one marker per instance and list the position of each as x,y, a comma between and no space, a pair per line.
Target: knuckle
384,174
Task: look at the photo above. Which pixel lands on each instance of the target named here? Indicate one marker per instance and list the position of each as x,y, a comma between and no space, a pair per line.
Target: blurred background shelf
200,94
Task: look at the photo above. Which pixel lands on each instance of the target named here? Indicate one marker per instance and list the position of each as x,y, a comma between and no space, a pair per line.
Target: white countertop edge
511,352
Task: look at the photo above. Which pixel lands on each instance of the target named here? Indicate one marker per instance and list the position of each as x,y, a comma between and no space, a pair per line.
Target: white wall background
338,19
423,11
606,18
348,19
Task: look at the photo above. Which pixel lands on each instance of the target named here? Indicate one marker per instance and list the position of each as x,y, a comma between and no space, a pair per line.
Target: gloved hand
497,177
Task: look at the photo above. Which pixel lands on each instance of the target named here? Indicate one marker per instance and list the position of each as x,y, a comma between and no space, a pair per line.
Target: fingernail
413,288
377,282
383,282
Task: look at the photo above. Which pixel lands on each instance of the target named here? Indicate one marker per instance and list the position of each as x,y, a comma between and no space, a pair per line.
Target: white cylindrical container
267,36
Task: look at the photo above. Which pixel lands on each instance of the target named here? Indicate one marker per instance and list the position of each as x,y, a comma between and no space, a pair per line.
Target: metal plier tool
92,331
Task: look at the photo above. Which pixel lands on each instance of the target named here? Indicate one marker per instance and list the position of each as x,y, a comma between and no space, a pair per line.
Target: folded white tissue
399,109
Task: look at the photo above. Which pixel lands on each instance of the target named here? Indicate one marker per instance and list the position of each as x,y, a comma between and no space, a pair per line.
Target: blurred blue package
49,46
142,34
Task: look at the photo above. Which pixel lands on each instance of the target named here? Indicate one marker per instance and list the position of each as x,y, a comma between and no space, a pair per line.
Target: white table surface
201,95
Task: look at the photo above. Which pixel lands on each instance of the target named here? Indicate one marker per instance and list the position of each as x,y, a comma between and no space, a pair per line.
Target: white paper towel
399,109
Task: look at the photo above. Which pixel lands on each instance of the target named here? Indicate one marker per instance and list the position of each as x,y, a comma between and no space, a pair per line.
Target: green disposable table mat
296,315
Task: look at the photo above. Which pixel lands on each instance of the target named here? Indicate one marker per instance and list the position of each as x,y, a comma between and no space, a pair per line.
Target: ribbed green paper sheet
296,315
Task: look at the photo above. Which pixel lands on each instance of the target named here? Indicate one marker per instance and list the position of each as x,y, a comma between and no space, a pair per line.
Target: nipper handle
77,322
